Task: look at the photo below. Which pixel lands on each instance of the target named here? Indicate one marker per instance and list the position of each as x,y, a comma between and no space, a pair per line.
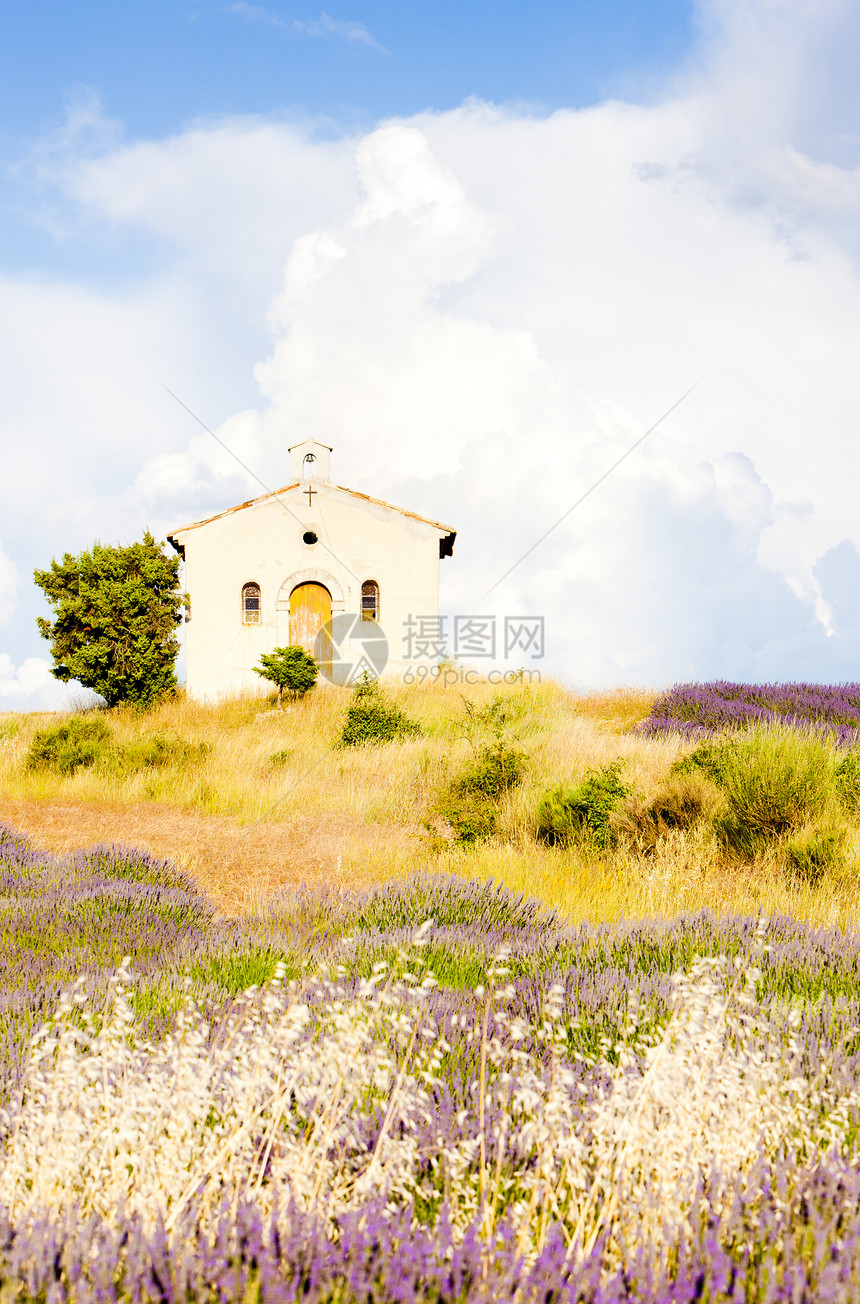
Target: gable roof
446,542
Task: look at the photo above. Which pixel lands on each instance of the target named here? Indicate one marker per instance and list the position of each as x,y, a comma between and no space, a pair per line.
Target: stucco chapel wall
262,543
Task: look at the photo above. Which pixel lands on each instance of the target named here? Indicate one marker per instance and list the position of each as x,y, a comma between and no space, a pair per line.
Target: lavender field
701,710
433,1091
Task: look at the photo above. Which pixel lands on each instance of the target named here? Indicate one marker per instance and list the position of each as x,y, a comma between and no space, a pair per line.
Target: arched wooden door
310,609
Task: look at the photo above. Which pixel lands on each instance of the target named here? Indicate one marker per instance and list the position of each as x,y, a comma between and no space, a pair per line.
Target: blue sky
478,249
154,69
159,65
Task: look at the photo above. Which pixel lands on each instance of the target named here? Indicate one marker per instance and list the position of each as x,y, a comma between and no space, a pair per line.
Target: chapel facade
352,579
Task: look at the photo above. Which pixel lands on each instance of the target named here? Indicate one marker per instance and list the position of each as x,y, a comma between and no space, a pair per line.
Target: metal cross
310,491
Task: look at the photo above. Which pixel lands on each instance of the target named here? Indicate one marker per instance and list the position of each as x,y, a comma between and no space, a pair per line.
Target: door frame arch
313,575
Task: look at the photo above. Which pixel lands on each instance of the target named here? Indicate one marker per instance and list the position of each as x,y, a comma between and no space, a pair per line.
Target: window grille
251,604
370,600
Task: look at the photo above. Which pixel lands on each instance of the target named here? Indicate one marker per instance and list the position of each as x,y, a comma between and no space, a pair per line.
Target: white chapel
352,579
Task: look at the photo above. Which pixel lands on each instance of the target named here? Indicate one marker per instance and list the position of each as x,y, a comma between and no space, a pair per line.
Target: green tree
291,668
115,614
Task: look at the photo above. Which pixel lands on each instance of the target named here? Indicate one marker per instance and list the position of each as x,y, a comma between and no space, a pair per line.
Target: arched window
251,604
370,600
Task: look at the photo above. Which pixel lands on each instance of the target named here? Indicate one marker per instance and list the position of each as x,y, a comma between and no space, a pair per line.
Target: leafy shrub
848,781
372,719
84,741
680,804
494,770
774,782
499,713
780,786
158,752
814,851
470,818
710,759
738,836
470,802
282,757
292,669
583,814
76,743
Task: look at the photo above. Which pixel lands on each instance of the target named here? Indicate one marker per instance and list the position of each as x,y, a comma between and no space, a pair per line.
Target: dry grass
275,804
239,866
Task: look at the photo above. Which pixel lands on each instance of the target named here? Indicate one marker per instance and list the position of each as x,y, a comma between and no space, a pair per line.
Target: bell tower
310,461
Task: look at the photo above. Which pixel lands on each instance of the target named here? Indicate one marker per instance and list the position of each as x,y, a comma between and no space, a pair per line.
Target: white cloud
31,687
82,406
481,310
324,26
774,72
348,31
228,199
8,586
255,13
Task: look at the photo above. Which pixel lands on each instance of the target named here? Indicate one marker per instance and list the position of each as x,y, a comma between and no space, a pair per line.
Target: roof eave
447,535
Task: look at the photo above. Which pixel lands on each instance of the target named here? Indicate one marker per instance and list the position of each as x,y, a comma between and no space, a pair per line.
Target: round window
309,537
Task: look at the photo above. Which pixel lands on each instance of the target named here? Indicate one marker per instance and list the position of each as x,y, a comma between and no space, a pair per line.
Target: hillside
251,798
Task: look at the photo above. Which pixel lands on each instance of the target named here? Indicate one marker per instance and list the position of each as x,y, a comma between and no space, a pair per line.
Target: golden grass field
274,804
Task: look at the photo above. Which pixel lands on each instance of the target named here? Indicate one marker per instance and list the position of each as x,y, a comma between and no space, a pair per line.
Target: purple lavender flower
789,1229
699,711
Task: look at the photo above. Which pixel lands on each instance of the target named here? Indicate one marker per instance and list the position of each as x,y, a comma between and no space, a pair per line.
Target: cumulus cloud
481,310
31,687
777,74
